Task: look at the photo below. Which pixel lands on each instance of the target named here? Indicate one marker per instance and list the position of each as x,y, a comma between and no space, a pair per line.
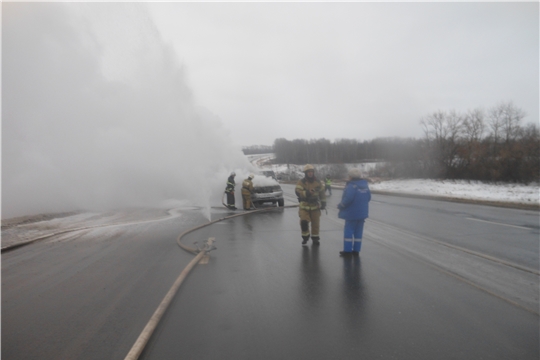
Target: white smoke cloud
261,180
96,114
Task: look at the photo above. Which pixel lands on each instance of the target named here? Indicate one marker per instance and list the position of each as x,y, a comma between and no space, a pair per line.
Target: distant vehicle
266,190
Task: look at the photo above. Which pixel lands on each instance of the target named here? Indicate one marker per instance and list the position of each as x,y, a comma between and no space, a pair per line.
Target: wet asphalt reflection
264,296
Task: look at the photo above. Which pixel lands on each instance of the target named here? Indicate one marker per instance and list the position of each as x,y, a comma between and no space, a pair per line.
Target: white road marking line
497,223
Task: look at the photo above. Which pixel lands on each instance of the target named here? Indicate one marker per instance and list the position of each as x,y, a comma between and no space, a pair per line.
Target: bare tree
434,126
470,153
512,117
474,125
495,122
505,120
443,131
530,141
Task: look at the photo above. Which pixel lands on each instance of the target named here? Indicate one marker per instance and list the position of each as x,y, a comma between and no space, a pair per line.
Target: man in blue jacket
354,208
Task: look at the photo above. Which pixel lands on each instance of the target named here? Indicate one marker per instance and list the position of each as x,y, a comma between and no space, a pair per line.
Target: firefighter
328,185
229,190
312,198
247,190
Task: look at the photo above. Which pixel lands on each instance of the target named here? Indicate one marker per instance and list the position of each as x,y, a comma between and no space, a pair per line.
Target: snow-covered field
459,189
474,190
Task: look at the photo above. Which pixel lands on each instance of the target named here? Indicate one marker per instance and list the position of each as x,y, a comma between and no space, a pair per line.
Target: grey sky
351,70
107,105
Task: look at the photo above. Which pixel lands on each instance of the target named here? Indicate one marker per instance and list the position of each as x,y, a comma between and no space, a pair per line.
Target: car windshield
269,173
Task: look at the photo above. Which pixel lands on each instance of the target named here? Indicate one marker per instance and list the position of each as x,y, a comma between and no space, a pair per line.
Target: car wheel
281,202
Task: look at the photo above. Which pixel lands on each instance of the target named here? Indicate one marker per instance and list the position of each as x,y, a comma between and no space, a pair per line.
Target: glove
323,206
308,195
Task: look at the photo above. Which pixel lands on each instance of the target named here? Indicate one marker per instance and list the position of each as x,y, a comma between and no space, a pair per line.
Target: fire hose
148,330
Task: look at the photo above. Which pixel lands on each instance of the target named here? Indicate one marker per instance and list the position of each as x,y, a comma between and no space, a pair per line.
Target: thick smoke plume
96,114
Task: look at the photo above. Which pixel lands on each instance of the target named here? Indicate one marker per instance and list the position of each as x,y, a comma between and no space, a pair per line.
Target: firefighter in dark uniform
229,190
312,198
247,190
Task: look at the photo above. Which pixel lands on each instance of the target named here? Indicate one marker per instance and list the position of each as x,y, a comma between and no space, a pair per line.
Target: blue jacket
354,203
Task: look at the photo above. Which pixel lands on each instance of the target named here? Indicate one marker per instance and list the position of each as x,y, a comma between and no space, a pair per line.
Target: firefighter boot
304,226
315,240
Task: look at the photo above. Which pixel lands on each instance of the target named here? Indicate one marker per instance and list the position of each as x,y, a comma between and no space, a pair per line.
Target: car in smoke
270,174
266,190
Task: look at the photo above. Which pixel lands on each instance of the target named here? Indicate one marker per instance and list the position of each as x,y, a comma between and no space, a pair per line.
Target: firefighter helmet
233,174
309,167
251,176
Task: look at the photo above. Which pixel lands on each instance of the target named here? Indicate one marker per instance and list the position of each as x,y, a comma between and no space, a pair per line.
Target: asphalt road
434,280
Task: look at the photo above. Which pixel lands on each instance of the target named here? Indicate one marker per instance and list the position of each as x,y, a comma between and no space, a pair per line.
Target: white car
266,190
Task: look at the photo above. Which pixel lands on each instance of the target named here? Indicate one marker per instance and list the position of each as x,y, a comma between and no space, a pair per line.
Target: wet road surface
89,294
262,295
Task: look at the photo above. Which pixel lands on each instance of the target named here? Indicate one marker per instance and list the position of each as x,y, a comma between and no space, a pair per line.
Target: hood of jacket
361,183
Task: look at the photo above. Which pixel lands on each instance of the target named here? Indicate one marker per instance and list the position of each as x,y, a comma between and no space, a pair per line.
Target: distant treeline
487,145
323,151
257,149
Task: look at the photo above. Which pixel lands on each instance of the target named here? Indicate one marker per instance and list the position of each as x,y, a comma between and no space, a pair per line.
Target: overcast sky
351,70
107,105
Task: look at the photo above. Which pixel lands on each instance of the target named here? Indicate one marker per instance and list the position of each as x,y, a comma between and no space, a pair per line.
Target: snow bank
470,190
473,190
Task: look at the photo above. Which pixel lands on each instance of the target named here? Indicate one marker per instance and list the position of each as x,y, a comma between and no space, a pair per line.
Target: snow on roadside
461,189
25,229
473,190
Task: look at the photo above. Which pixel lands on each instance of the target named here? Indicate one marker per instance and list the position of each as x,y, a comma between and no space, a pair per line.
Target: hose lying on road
195,251
145,335
139,345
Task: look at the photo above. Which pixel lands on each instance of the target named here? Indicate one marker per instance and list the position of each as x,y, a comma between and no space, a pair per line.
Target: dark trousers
230,199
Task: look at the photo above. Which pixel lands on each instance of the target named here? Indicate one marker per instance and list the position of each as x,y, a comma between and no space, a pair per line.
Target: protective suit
247,190
229,190
311,195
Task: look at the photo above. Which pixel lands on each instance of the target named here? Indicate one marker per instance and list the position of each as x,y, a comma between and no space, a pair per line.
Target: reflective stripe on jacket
230,184
310,200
